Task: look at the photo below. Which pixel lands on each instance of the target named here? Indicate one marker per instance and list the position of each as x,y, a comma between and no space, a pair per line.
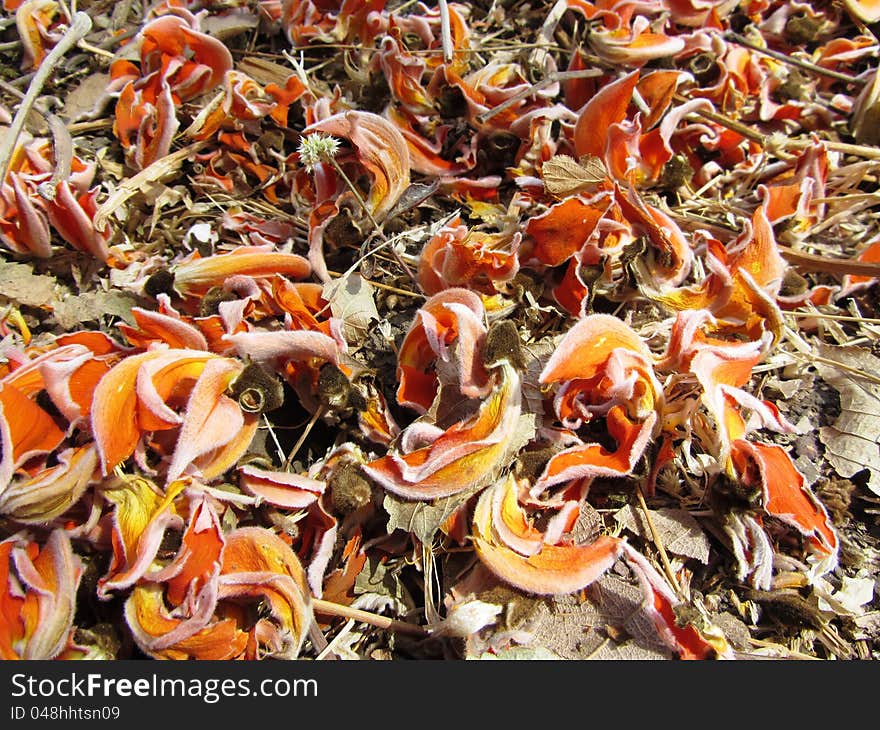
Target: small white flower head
317,148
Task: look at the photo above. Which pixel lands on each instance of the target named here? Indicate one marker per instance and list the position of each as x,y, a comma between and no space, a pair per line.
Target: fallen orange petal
461,456
553,570
786,495
565,228
37,596
25,430
607,107
51,492
257,564
593,460
196,276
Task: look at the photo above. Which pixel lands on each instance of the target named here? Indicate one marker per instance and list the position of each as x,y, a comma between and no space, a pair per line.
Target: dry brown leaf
21,285
852,442
422,519
680,533
70,312
351,301
574,628
621,604
88,100
563,175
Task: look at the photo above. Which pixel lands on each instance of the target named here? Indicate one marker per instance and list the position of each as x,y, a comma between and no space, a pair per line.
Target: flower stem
81,25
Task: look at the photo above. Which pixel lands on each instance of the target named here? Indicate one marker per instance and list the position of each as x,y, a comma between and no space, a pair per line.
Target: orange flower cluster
550,207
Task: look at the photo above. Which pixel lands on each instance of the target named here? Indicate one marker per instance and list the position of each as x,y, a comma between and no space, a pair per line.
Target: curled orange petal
196,276
565,228
381,149
165,636
211,420
607,107
51,492
283,489
37,596
463,455
25,430
553,570
592,460
140,518
259,565
786,496
451,318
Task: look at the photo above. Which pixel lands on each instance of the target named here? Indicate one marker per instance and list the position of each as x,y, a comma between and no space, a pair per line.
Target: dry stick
816,262
363,204
806,65
553,78
81,25
724,121
9,89
62,152
90,126
835,317
445,30
386,287
843,366
96,50
383,622
664,558
319,411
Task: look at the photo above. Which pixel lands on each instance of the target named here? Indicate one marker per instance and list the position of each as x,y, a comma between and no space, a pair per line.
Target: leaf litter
500,331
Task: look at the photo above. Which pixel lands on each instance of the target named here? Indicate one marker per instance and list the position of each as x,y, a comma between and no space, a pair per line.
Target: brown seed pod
161,282
210,303
257,390
503,343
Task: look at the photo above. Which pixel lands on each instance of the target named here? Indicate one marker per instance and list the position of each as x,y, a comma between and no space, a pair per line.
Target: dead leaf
520,653
88,100
575,628
423,519
621,605
229,26
351,301
563,175
92,306
680,533
852,442
20,284
376,579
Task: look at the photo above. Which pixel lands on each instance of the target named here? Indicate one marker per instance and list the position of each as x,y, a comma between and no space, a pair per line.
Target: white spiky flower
317,148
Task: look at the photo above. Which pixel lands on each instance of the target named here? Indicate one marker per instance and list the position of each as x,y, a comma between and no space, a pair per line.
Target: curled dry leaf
852,442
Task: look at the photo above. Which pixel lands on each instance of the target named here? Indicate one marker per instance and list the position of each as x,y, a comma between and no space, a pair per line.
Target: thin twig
553,78
445,30
385,287
816,262
62,153
806,65
376,225
835,317
328,608
724,121
319,411
664,558
97,51
81,25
